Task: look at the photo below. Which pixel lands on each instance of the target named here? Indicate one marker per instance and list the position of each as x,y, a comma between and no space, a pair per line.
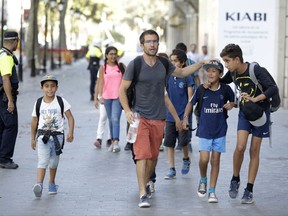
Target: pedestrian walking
212,127
109,83
179,90
253,103
8,98
47,131
150,105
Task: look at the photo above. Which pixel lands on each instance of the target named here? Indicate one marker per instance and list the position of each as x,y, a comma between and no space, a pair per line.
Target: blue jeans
114,111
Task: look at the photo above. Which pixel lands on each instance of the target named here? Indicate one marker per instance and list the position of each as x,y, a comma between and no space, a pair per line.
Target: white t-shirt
50,115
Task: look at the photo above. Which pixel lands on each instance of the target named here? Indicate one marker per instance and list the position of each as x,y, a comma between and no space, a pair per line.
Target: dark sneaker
98,143
148,191
143,203
128,146
202,189
185,167
37,189
233,190
171,174
108,143
53,189
9,165
212,198
247,197
152,186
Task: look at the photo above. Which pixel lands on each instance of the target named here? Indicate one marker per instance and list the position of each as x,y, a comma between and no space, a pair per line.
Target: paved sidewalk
97,182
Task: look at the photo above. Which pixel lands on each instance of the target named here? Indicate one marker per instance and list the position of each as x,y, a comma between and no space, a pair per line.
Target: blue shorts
262,131
217,145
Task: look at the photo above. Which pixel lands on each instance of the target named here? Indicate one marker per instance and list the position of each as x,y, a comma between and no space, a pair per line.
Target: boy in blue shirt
212,126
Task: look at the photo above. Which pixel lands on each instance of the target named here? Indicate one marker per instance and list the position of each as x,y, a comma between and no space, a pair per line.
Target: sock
185,159
250,187
236,178
212,190
173,168
203,180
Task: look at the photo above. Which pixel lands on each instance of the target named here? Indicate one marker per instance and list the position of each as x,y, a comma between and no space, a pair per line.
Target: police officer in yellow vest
8,95
94,56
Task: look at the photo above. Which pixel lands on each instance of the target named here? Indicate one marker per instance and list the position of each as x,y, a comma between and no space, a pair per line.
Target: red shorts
149,138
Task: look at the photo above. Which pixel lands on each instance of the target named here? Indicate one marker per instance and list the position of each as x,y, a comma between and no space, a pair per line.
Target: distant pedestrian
254,103
212,127
150,105
8,97
94,55
109,83
47,131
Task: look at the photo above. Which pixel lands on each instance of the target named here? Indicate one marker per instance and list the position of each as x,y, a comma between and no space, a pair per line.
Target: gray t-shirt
150,88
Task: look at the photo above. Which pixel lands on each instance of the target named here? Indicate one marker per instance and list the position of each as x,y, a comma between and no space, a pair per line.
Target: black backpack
131,94
39,101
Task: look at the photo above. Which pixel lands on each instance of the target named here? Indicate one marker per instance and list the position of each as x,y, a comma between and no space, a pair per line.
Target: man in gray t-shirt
150,104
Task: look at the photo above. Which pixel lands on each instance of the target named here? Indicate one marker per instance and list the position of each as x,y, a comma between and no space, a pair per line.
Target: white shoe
116,148
212,198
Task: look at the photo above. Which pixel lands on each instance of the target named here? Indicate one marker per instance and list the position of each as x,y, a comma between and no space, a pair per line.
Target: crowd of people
166,90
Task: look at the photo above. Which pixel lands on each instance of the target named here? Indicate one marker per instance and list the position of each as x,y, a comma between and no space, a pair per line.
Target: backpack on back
275,100
39,101
131,94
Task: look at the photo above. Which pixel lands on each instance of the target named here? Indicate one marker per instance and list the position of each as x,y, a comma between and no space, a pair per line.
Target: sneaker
148,191
98,143
108,143
143,203
152,186
178,148
171,174
233,190
212,198
247,197
110,148
128,146
37,189
116,148
161,148
52,189
9,165
202,189
185,167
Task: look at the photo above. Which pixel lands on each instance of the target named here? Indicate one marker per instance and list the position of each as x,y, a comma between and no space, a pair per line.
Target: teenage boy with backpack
253,117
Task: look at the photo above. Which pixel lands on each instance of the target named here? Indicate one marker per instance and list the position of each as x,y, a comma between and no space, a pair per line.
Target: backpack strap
198,107
165,62
60,102
38,104
224,90
253,76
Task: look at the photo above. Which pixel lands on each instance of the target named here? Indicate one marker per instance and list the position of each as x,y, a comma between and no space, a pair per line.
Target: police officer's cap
10,35
49,78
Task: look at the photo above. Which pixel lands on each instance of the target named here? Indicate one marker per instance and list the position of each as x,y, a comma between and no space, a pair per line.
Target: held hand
129,116
33,144
11,107
101,100
185,124
229,106
69,137
247,97
96,104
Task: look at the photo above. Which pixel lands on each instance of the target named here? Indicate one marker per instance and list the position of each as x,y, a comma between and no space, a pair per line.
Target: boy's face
49,88
213,75
175,61
231,63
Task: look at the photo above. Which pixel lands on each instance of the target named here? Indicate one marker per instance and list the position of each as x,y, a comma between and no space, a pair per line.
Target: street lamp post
45,36
52,5
60,8
33,66
20,68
